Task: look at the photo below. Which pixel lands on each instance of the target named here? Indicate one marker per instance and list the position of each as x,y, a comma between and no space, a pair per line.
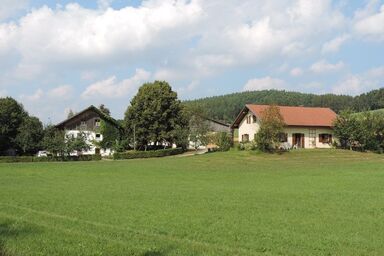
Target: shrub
147,154
30,159
223,140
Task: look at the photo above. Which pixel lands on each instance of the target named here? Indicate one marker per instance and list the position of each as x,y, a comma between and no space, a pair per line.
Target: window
98,135
245,138
254,119
248,119
283,137
83,125
97,122
325,138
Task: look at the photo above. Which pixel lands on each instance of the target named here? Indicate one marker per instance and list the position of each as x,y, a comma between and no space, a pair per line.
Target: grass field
235,203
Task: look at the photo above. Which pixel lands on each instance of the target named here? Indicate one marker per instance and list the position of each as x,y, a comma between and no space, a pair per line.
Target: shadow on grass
149,253
10,230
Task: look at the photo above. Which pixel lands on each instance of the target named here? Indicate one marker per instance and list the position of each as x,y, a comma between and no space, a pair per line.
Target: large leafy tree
54,141
105,110
12,115
155,116
30,135
76,144
363,131
347,129
271,128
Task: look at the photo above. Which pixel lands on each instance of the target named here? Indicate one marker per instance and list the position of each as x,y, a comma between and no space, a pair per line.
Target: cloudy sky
67,54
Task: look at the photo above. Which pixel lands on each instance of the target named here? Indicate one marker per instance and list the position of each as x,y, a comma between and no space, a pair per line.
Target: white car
43,153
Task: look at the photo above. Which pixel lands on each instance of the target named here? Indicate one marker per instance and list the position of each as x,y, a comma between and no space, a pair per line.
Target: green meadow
320,202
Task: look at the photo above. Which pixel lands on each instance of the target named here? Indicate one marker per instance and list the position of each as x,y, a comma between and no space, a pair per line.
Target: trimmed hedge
30,159
148,154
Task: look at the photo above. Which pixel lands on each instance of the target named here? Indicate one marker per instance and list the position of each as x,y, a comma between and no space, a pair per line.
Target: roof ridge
92,107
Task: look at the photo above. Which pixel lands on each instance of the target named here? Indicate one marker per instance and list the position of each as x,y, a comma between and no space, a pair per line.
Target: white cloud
360,83
264,83
10,7
75,34
189,88
166,74
111,88
325,67
61,92
296,72
49,38
335,44
38,95
104,4
371,26
353,85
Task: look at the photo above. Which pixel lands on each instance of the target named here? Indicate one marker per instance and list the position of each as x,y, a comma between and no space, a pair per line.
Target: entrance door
97,151
298,140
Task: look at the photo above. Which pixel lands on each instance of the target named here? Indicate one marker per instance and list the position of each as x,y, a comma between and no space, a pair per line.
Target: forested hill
227,107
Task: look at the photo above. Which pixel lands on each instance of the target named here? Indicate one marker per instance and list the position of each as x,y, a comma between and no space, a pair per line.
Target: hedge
148,154
30,159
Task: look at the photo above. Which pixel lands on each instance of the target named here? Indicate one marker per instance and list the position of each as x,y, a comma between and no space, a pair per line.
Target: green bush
224,141
247,146
147,154
30,159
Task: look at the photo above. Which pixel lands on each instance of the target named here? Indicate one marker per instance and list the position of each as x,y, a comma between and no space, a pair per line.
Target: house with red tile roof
305,127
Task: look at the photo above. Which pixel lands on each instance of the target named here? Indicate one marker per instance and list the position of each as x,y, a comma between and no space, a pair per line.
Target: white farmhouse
89,121
305,127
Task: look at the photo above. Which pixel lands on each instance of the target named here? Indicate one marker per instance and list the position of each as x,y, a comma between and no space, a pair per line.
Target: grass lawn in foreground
320,202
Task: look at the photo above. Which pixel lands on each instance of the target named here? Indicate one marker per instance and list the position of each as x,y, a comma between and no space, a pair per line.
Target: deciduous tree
12,115
271,126
155,116
30,135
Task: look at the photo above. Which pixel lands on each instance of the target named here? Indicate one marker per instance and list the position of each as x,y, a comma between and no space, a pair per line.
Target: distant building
89,121
214,126
305,127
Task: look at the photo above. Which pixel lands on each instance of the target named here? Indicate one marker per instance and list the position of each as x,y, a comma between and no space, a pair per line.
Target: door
298,140
97,151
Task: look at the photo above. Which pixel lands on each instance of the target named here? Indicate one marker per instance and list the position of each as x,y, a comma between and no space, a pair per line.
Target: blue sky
61,55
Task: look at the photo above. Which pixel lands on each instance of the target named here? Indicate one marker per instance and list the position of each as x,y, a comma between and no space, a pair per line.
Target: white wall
90,137
250,129
305,131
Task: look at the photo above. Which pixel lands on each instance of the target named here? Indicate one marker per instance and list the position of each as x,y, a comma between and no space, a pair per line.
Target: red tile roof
300,116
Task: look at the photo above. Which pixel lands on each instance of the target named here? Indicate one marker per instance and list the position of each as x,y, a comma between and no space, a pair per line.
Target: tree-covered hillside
227,107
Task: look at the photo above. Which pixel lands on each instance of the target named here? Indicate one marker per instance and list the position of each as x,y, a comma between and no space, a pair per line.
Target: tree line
156,118
227,107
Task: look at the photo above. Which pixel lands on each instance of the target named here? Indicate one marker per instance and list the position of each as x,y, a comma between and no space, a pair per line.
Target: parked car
43,153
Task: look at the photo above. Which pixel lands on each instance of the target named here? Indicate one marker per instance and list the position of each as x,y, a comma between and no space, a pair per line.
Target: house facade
89,122
305,127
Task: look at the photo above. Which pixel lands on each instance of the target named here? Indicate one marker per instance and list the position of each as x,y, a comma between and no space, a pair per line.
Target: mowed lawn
237,203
